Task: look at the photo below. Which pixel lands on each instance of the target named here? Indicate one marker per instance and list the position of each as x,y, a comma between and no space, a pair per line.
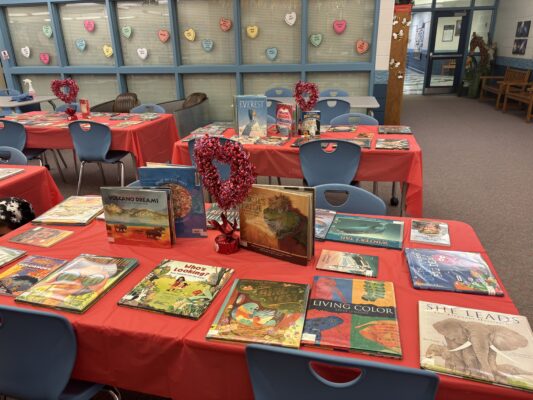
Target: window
97,88
220,88
152,88
481,24
41,84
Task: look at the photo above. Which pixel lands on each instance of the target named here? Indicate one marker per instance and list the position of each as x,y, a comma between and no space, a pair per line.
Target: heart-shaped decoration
315,39
47,30
339,26
271,53
81,44
163,35
126,31
89,25
142,53
65,90
252,31
225,24
108,50
45,58
207,44
290,18
190,34
361,46
25,51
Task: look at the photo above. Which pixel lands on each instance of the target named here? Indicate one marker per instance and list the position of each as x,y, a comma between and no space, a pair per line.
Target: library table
35,185
6,102
169,356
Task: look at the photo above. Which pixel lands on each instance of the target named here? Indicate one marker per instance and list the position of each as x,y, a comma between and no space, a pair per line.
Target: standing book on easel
250,115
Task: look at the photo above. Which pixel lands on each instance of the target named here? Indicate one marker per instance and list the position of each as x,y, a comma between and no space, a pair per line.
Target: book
310,123
178,288
304,139
7,172
323,220
392,144
216,129
341,129
8,255
454,271
395,129
364,143
266,312
215,211
27,272
476,344
136,216
286,119
76,210
245,139
362,135
187,196
272,141
41,236
430,232
353,315
251,115
349,263
79,284
376,232
279,221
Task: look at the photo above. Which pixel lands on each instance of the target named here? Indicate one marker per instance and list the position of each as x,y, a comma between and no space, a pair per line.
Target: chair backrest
281,373
12,156
63,107
271,120
224,170
91,140
333,93
104,107
354,119
12,134
329,161
330,109
9,92
125,102
278,92
148,108
358,201
516,75
38,353
272,106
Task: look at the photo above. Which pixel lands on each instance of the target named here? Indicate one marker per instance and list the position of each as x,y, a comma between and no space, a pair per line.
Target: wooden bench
521,93
498,84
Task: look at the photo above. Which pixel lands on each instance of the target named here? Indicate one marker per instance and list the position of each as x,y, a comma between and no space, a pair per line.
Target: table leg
404,195
52,104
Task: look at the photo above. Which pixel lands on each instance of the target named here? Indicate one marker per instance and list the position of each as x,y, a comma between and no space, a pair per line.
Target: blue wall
418,65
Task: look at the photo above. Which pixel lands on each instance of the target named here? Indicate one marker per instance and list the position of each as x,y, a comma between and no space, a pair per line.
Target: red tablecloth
169,356
35,184
375,165
147,141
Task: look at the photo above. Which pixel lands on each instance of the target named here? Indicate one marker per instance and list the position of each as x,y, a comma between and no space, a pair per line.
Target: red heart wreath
70,94
308,88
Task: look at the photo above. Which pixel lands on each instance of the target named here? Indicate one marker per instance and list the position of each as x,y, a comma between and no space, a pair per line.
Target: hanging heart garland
303,88
65,90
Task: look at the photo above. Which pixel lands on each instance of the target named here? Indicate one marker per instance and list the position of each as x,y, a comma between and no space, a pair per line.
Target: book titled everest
8,255
430,232
41,236
323,220
353,315
76,210
392,144
395,129
349,263
250,115
7,172
455,271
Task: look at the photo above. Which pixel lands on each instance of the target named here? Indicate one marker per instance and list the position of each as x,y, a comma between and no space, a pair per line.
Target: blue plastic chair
224,170
13,134
278,92
271,120
12,156
358,201
288,374
354,119
333,93
329,161
330,109
272,106
63,107
148,108
38,353
92,142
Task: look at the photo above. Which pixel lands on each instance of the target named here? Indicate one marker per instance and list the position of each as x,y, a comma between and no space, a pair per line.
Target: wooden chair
498,84
521,93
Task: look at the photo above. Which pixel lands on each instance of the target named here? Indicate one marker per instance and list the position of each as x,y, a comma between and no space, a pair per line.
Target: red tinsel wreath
303,88
68,96
233,191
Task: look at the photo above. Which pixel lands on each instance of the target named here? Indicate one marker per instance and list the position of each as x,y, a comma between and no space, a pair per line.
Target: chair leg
59,169
102,172
75,161
375,188
121,173
394,200
80,177
498,100
529,111
61,157
135,166
113,392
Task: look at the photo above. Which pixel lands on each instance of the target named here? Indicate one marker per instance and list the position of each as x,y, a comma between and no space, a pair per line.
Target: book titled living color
430,232
27,272
79,284
8,255
483,345
323,220
392,144
251,115
366,231
7,172
353,315
286,119
76,210
349,263
41,236
395,129
178,288
454,271
267,312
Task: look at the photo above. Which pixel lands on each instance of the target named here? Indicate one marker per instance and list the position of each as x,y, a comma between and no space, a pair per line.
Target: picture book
304,139
251,115
79,284
392,144
7,172
41,236
430,232
245,139
178,288
27,272
454,271
215,211
136,216
187,196
475,344
364,143
214,129
353,315
395,129
323,220
279,221
364,135
310,123
272,141
286,119
350,263
366,231
266,312
8,255
341,129
76,210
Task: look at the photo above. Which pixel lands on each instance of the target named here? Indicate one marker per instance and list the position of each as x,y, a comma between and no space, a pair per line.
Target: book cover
215,211
279,222
395,129
349,263
430,232
7,172
323,220
364,143
8,255
79,284
272,141
341,129
251,115
136,216
286,119
76,210
311,122
366,231
392,144
245,139
353,315
266,312
476,344
178,288
187,196
454,271
41,236
304,139
27,272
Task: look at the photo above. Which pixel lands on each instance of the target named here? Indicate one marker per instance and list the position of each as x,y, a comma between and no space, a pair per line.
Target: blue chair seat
80,390
114,156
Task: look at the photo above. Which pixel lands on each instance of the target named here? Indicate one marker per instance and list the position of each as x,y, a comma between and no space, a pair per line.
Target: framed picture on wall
458,27
522,28
447,33
520,46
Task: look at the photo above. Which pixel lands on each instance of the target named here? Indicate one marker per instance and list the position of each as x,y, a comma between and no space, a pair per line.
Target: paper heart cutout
339,26
47,30
81,44
190,34
26,52
225,24
108,50
45,58
207,44
163,35
271,53
315,39
361,46
142,53
252,31
89,25
126,31
290,18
